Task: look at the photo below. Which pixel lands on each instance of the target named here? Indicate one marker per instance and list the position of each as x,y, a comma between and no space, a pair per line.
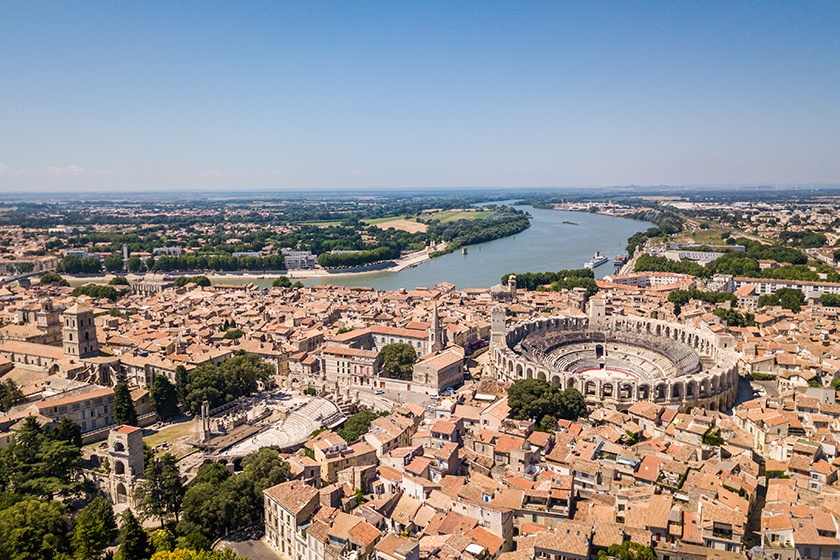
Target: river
549,244
556,240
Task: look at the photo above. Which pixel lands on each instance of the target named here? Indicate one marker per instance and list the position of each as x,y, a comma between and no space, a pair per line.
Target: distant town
164,363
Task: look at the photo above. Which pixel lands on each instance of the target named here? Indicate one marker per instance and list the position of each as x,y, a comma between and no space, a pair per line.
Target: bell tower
435,333
79,332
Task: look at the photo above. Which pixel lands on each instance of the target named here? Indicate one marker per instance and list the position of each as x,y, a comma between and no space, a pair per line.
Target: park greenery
504,222
222,383
830,300
96,291
556,281
40,485
786,298
544,403
397,360
54,278
627,550
358,425
735,318
219,502
681,297
182,281
358,258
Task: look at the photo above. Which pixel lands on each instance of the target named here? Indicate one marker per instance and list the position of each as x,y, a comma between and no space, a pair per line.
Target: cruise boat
596,261
621,259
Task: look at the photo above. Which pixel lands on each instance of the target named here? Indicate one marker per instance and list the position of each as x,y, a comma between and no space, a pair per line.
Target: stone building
79,333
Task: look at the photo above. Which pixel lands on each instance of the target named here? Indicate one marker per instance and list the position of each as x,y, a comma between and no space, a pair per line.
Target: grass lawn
322,224
174,434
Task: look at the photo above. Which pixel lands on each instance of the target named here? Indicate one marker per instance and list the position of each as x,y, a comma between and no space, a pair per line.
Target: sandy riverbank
409,260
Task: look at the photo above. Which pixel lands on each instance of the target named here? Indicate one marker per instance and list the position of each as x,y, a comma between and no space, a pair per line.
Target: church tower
435,333
79,332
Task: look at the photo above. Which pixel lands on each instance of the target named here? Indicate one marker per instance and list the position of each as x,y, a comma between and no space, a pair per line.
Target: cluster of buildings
459,477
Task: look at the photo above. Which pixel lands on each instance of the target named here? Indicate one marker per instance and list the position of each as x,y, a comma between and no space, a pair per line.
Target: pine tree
164,398
181,380
94,529
124,411
134,543
161,494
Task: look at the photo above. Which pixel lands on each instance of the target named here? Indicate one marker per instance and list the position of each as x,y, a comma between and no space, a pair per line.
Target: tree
113,263
212,473
627,550
234,334
134,543
160,495
357,425
95,527
163,540
398,360
124,411
134,264
265,468
222,383
181,379
281,282
53,278
38,464
67,430
164,398
830,300
119,281
193,554
96,291
543,402
10,395
787,298
219,502
33,529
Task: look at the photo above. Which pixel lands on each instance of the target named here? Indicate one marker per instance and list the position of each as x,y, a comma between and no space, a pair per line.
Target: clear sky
180,95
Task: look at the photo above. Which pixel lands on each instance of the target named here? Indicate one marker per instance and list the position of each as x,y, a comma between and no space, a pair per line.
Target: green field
385,220
452,215
322,224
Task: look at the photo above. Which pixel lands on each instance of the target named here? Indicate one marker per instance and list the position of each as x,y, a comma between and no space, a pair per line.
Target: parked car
434,396
379,392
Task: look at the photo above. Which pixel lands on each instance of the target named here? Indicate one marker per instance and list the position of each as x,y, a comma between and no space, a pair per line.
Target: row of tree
504,222
358,258
96,291
681,297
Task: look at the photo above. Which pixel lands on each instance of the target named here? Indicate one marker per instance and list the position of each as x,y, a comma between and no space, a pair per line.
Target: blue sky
213,95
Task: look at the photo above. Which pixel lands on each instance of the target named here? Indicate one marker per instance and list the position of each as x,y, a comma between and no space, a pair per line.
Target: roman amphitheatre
618,360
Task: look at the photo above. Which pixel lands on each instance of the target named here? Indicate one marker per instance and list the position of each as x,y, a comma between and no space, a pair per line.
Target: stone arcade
618,360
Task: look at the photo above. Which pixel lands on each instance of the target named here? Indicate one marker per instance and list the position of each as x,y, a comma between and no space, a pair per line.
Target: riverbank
408,261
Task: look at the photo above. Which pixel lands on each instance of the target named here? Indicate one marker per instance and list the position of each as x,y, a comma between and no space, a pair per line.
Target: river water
549,244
